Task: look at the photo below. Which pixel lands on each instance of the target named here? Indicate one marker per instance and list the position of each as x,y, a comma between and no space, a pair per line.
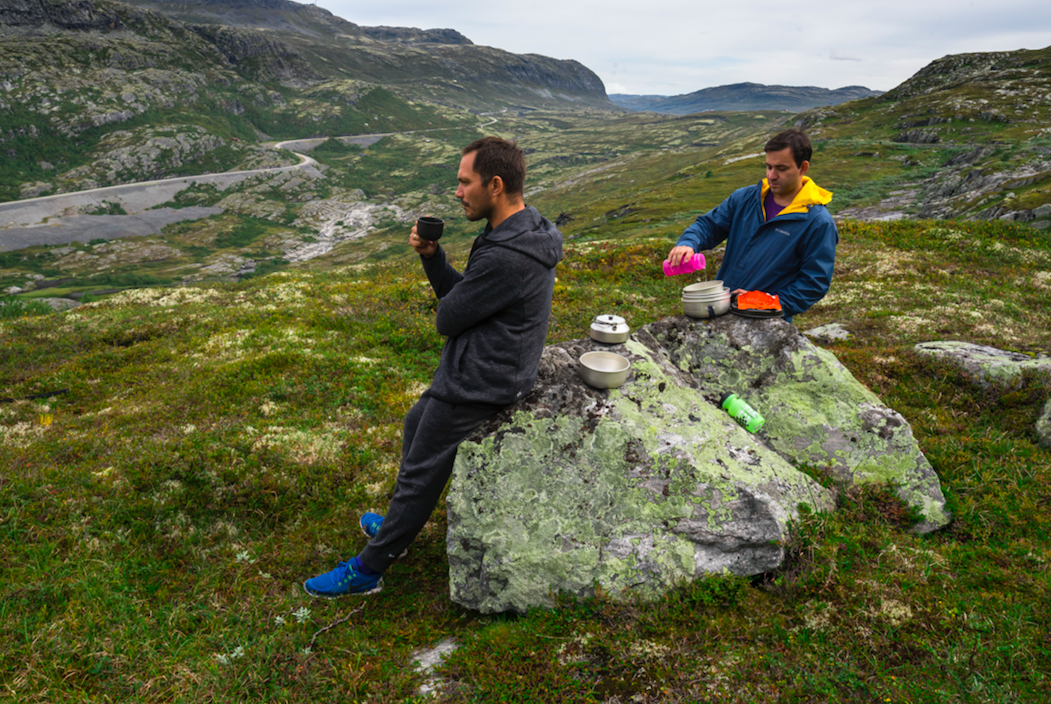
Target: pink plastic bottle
694,263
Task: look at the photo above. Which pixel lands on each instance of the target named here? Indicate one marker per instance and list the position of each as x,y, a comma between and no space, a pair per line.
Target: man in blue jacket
494,316
780,238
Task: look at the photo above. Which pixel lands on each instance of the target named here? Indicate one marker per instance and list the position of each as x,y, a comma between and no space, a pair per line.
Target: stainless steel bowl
716,285
604,370
713,296
706,309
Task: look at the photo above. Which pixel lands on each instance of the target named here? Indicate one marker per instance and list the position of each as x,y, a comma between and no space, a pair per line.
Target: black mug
430,228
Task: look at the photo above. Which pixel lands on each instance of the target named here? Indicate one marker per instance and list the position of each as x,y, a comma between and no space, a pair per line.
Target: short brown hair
499,157
792,139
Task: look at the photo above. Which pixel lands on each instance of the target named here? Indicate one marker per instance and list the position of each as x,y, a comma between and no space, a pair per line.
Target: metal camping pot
611,329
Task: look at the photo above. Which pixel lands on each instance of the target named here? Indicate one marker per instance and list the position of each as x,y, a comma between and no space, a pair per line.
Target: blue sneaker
370,524
345,579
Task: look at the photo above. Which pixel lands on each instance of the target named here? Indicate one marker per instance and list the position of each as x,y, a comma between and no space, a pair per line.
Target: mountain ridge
743,96
309,20
440,65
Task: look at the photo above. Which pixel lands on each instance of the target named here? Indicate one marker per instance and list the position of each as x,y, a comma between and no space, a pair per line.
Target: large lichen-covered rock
651,484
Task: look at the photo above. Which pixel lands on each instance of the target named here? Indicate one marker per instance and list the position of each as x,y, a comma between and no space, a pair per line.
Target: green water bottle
746,416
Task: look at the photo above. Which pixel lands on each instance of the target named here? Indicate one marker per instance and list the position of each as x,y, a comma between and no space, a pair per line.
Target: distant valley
95,93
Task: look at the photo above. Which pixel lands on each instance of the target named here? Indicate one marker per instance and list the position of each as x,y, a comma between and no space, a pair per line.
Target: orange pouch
757,300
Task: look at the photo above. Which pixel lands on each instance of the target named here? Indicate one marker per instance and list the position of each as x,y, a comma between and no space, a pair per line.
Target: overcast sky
670,47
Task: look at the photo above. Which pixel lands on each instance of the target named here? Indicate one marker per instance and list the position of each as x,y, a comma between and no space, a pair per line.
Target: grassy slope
216,445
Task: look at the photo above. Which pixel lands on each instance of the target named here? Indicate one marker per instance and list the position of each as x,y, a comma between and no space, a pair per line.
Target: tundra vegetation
192,453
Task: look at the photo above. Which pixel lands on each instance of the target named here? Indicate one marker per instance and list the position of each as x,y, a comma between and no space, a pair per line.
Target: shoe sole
375,590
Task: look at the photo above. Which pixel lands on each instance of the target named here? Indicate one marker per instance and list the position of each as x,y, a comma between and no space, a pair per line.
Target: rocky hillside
74,71
82,78
743,96
968,136
437,64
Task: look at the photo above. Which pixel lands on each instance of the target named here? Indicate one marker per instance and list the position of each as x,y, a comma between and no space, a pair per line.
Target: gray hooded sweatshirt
495,314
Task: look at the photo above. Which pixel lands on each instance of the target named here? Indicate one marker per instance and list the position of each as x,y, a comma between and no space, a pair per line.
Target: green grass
393,166
215,445
194,195
13,308
343,108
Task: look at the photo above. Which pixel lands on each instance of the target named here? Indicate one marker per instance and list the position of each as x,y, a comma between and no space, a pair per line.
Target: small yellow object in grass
46,418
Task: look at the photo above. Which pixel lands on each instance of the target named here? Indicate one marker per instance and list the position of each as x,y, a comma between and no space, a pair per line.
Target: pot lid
609,323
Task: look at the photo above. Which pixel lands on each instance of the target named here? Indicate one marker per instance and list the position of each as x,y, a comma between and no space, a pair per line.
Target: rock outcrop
833,332
273,59
951,72
1043,426
79,15
987,365
918,137
651,484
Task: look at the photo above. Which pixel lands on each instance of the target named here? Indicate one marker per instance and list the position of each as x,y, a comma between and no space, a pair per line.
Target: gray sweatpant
433,431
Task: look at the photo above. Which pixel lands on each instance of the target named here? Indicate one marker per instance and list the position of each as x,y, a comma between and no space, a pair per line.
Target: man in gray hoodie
494,316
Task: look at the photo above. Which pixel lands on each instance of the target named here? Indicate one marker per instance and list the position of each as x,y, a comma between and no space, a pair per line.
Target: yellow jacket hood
810,194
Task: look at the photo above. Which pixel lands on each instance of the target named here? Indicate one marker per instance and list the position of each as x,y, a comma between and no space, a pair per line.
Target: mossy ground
199,451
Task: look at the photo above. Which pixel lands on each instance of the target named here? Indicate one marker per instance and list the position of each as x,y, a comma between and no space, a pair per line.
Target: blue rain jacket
791,255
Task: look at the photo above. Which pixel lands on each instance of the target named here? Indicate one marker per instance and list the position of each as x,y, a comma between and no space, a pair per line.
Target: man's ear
496,186
804,167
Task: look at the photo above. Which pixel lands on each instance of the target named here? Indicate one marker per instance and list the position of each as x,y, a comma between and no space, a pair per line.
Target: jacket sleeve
815,271
440,273
711,228
483,290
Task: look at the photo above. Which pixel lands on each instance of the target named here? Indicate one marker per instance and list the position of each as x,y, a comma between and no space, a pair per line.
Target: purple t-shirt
770,206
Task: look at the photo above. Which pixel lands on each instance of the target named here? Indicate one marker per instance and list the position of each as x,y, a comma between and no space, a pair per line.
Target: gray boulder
918,137
827,334
59,304
988,366
1043,426
33,189
652,484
